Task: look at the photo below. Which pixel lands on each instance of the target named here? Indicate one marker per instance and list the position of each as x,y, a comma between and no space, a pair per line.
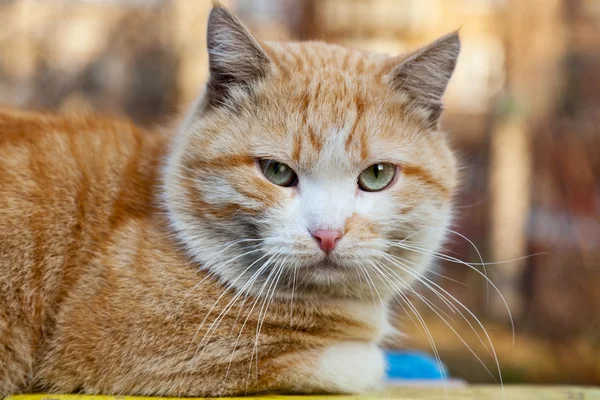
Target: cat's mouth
326,265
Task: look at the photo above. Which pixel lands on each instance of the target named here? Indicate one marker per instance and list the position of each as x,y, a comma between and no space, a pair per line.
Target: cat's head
311,167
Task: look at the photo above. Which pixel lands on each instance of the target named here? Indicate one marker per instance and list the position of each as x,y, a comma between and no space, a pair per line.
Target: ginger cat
255,249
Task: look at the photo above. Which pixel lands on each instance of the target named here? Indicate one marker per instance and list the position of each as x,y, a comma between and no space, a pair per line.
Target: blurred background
523,109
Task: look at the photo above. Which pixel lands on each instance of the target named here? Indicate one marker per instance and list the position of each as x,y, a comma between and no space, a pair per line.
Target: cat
255,249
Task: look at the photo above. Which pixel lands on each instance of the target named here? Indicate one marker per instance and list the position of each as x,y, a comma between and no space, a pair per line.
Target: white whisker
421,320
258,296
456,260
217,301
210,273
428,283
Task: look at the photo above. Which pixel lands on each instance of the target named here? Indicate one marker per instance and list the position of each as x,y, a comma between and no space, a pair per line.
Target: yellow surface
399,393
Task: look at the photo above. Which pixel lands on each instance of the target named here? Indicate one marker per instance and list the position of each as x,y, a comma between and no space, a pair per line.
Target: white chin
328,274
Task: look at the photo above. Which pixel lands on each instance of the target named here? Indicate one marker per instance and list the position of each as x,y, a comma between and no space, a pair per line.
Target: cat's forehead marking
332,90
360,110
339,109
304,110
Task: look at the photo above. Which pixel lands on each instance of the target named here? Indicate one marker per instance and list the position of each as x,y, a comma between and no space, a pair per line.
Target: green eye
278,173
376,177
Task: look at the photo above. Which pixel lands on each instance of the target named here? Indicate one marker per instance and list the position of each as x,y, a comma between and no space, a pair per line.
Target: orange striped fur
167,264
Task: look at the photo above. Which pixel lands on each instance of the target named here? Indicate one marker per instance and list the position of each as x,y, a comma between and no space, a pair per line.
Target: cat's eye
376,177
278,173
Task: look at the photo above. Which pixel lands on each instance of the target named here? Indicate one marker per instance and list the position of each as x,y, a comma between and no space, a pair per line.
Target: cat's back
66,184
66,181
61,170
58,142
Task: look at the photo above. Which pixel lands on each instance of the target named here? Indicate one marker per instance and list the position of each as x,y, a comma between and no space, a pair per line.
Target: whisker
395,259
264,315
257,297
227,288
446,277
421,320
369,283
252,280
228,307
235,345
424,280
396,291
210,273
484,275
428,283
292,295
415,292
487,289
272,273
458,261
429,304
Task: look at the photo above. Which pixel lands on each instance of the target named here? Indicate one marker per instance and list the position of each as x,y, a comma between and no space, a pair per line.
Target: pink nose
327,239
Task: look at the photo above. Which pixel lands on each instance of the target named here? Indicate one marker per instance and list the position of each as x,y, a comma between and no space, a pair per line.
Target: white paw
350,367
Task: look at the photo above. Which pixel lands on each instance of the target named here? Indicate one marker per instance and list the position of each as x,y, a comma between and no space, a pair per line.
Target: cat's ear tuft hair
235,58
424,74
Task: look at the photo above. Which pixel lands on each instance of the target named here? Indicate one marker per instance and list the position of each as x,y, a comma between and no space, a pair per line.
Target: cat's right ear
423,75
236,59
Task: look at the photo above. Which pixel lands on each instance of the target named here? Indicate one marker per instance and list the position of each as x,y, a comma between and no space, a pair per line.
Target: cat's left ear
423,75
235,58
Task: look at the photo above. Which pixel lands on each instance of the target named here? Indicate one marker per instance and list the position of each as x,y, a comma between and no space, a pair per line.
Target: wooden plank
512,392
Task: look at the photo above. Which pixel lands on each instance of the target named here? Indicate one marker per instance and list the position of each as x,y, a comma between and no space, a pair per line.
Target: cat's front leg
346,367
352,367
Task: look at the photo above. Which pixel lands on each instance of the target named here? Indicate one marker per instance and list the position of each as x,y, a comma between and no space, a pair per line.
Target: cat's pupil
377,168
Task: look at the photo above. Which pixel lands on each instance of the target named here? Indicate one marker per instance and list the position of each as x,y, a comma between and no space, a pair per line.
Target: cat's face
312,168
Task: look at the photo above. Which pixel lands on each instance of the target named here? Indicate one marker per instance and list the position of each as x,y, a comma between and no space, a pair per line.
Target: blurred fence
523,110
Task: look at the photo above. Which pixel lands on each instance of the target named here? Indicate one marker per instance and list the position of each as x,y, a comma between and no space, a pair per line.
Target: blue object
413,365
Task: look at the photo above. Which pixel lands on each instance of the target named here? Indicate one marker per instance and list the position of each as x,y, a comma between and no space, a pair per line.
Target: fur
166,264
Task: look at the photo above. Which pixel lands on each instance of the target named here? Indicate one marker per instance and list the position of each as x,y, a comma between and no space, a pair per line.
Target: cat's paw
350,367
